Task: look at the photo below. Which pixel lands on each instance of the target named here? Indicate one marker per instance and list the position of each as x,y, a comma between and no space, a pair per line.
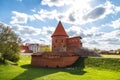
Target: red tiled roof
60,31
25,49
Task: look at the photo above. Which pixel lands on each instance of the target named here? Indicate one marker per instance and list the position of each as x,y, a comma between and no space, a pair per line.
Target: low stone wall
53,62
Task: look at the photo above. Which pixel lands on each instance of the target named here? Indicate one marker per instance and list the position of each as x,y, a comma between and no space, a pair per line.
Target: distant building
25,49
108,52
34,48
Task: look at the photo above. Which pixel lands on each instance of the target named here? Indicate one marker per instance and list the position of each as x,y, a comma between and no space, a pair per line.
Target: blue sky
96,21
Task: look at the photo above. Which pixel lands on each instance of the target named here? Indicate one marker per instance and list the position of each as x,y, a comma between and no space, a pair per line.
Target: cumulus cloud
71,17
108,41
97,12
75,31
86,34
115,43
101,11
69,14
33,10
93,38
57,3
47,31
114,24
78,13
93,42
111,38
20,18
112,34
26,30
30,40
44,14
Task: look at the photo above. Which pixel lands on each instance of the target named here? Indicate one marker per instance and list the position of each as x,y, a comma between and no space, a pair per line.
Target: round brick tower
59,38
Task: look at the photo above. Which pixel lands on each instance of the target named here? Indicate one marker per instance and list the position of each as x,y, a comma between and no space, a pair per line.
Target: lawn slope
24,71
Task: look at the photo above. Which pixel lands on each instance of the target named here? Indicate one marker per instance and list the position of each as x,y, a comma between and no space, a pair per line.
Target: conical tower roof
60,31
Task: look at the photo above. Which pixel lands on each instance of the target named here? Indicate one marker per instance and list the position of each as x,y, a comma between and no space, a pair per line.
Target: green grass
24,71
104,63
110,56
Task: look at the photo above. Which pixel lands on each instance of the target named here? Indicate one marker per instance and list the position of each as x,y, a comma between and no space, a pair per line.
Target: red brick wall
73,43
53,62
59,44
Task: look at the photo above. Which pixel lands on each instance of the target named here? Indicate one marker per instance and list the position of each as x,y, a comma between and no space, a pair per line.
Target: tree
118,50
9,44
45,48
96,50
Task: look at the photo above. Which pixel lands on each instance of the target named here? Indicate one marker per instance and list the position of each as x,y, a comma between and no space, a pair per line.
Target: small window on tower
56,40
62,41
63,45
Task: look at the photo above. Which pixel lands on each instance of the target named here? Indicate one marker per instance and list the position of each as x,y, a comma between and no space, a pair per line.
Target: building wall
59,44
63,44
73,43
25,49
34,47
53,62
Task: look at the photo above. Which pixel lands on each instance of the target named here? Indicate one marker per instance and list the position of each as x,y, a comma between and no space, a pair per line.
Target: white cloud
79,12
115,24
20,18
113,34
30,34
110,40
85,33
33,10
43,14
20,0
93,38
26,30
57,3
48,30
30,40
75,31
73,13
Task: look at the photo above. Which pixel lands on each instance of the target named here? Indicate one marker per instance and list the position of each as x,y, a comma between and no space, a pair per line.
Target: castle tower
59,38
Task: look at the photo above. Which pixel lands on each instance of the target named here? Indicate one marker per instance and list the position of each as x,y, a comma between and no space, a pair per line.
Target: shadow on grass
36,72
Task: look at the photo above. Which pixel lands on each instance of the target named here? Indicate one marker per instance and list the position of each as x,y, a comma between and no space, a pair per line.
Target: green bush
106,63
101,63
80,63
